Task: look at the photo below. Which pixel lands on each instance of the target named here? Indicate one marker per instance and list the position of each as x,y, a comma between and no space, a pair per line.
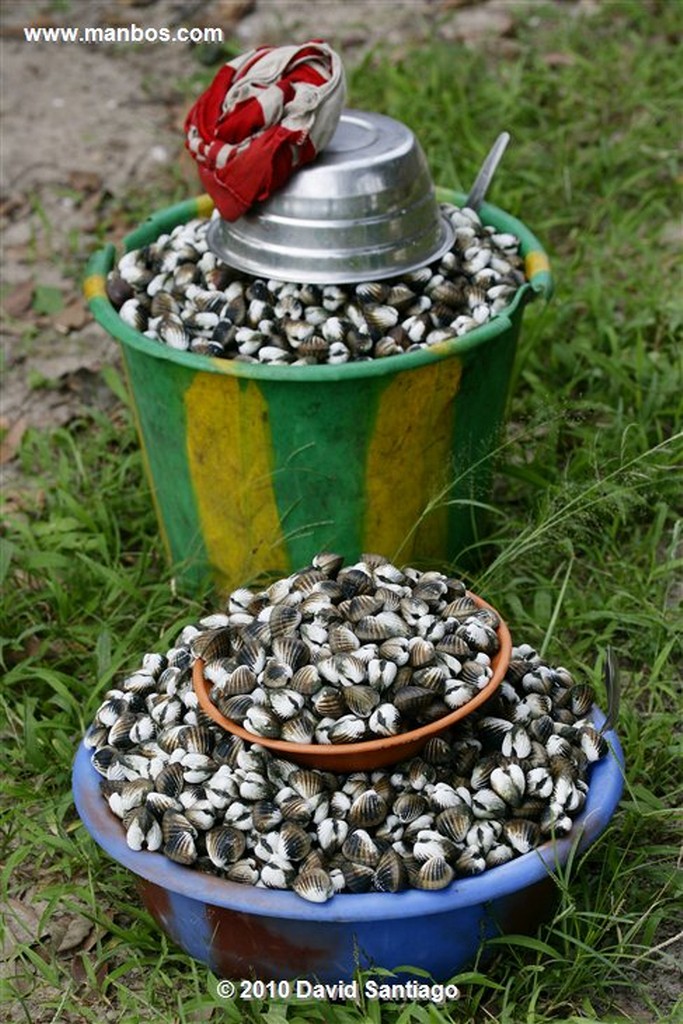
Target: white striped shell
435,873
314,885
347,729
385,720
367,810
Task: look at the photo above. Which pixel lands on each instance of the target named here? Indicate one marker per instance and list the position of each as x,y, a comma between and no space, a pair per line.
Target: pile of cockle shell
178,292
497,784
346,654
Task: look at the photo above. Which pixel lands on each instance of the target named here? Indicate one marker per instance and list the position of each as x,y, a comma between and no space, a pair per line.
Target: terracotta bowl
357,757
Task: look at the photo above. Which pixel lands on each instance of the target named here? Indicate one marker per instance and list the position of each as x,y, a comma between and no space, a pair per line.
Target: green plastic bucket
254,468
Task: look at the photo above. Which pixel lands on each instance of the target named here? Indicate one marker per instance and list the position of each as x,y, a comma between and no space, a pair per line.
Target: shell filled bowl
240,930
370,754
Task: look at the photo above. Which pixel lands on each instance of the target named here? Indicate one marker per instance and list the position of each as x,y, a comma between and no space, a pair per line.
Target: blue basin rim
605,787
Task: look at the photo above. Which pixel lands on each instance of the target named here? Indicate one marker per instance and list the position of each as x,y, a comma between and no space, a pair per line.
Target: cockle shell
360,848
314,885
367,810
435,873
521,834
224,845
300,728
361,700
390,875
179,838
385,720
348,729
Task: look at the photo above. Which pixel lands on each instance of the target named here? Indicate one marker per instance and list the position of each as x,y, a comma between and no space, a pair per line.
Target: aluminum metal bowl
364,209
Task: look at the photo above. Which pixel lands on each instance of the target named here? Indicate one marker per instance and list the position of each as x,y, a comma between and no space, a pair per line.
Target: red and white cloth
266,113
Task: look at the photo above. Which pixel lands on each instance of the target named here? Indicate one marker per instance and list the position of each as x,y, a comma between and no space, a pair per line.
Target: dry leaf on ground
9,446
74,316
22,924
18,300
70,931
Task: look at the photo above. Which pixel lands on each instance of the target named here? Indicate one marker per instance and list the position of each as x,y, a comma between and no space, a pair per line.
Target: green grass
583,552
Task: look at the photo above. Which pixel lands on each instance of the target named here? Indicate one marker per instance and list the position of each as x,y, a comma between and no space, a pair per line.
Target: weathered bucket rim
539,283
605,788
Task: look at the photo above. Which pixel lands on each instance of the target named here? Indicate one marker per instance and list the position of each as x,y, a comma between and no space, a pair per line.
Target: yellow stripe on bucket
229,450
409,457
204,205
94,287
536,262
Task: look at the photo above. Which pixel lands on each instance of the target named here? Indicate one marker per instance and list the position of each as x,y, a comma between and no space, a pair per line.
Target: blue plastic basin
241,931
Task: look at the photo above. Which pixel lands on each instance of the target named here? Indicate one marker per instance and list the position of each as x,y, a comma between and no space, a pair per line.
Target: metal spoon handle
488,169
613,689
